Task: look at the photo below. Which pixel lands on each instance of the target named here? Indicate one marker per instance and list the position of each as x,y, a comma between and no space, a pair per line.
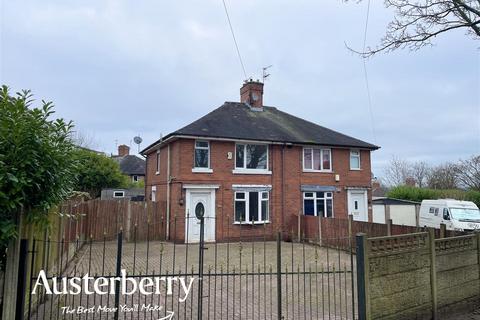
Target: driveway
240,281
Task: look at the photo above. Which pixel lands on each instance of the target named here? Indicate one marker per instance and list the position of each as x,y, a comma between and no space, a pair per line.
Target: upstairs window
319,204
251,156
316,159
158,162
251,207
202,154
354,160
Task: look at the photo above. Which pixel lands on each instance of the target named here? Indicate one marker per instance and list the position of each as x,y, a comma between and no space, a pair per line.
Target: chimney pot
123,150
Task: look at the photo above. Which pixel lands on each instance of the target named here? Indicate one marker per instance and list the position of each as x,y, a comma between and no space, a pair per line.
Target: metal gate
276,276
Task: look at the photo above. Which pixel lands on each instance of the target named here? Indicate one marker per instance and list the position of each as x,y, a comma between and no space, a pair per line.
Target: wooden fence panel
334,232
98,219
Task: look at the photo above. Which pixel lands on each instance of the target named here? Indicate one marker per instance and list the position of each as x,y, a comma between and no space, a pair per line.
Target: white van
455,214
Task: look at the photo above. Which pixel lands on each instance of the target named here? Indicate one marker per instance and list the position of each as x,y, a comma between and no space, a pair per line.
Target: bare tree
419,173
397,172
443,177
84,141
417,22
468,173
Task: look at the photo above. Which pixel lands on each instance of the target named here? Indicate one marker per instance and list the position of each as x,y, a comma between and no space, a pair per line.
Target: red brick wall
181,161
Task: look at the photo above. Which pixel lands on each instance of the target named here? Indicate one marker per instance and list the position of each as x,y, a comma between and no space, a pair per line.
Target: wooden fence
98,219
341,232
105,218
75,223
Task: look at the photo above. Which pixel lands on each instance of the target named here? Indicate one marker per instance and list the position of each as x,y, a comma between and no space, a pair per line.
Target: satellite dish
138,140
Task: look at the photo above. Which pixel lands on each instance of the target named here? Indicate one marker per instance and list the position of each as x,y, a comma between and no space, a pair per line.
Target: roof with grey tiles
235,120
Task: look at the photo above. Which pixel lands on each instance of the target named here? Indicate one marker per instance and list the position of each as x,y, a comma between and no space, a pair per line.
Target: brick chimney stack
251,93
123,150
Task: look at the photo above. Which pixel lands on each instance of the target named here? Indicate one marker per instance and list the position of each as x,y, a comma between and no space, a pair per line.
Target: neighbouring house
130,165
402,212
378,189
252,168
134,194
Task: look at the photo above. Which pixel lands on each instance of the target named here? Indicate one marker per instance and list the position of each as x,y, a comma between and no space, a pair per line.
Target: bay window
251,206
317,159
318,204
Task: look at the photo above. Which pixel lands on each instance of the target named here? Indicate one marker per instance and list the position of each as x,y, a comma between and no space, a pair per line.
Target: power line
235,40
365,74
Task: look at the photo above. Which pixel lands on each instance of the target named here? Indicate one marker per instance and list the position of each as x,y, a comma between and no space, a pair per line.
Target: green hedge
419,194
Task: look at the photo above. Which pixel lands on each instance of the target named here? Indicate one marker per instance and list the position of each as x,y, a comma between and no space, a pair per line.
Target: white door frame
192,189
365,197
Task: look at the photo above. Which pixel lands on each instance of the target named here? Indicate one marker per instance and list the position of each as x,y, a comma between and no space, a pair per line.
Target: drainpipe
145,186
169,181
283,188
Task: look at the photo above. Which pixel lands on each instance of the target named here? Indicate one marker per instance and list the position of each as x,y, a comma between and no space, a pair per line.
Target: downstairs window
251,206
318,204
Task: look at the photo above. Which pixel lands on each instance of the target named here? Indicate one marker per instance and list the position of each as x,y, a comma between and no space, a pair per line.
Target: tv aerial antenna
138,140
265,74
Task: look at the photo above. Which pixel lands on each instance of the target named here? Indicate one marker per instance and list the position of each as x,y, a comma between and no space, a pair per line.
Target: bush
419,194
473,196
97,171
37,166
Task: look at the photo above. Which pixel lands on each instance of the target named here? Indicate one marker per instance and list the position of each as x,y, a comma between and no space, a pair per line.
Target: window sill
252,223
355,169
202,170
251,171
318,171
157,173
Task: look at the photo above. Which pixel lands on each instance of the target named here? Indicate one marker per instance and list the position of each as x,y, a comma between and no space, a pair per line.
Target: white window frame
321,159
202,169
135,178
314,198
154,194
247,207
244,169
359,159
119,191
157,162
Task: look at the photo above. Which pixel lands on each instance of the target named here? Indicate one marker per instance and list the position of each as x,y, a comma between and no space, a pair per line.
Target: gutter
157,144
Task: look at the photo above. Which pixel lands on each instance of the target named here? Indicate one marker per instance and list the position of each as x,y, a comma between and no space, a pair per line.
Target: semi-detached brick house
250,167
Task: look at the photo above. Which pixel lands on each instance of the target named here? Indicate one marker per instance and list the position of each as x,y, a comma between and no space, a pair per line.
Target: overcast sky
125,68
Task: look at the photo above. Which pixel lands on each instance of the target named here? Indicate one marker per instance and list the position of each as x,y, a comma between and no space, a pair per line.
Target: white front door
357,205
200,200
